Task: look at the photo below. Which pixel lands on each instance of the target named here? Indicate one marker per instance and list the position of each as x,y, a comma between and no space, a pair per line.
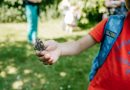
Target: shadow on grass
21,69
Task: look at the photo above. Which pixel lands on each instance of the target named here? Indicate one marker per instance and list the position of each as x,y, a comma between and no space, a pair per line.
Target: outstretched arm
54,49
75,47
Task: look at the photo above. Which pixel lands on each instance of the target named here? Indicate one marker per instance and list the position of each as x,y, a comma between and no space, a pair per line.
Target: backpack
112,30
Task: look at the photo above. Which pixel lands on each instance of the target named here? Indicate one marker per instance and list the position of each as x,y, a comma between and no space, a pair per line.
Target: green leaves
14,11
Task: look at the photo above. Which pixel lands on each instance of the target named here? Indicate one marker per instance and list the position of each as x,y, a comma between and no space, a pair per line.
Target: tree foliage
11,11
14,11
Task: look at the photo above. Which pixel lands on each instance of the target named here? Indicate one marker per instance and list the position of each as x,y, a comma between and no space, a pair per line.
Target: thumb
50,45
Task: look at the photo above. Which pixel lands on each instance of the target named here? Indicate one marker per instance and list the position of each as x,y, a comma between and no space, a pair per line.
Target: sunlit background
20,69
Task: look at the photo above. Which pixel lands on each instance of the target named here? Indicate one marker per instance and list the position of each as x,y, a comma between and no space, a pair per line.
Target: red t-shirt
115,72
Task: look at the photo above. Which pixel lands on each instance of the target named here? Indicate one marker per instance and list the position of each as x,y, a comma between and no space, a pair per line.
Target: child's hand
51,53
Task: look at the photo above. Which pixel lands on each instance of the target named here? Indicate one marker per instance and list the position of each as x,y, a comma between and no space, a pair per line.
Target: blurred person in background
63,8
71,11
32,13
71,18
115,7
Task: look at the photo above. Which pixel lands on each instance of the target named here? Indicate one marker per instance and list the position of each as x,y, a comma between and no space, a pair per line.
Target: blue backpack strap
111,32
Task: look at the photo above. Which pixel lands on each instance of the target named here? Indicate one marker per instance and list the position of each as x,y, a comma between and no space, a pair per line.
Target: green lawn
20,69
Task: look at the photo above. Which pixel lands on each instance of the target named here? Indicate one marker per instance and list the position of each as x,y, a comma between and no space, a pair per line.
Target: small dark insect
39,45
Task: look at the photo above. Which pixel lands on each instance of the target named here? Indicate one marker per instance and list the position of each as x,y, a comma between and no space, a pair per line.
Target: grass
20,69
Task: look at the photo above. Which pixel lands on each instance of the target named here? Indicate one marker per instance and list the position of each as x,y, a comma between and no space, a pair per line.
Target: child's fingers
50,61
46,44
47,61
45,58
40,53
42,59
48,48
50,45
